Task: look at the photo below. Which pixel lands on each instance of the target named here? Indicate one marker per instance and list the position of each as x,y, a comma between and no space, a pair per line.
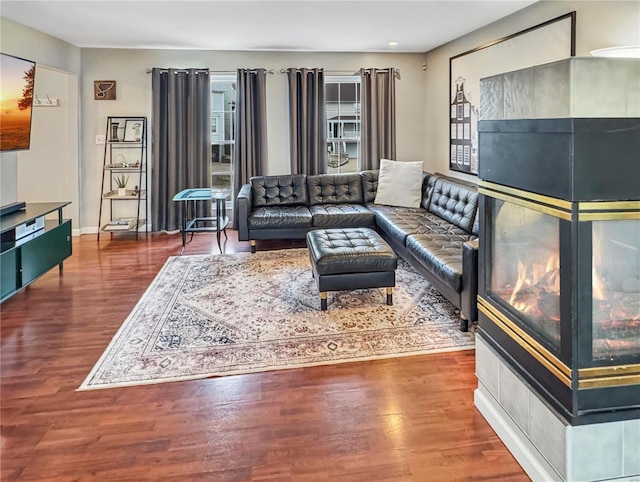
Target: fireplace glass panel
616,288
525,267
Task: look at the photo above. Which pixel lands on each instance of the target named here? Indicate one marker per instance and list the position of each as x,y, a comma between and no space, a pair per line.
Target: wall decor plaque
104,90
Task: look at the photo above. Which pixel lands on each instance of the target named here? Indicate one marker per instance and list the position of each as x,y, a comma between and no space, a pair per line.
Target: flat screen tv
16,102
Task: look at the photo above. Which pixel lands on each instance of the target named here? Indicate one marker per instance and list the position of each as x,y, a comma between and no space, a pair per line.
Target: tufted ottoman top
349,250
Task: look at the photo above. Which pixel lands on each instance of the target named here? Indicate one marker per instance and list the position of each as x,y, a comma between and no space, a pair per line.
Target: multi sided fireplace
559,274
560,285
524,279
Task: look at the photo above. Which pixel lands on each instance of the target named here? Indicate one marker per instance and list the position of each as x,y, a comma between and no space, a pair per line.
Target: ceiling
329,25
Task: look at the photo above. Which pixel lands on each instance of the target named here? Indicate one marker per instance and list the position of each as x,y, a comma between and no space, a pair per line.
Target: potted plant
121,182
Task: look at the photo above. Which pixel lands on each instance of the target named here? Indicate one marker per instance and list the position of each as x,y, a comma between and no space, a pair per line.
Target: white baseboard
516,441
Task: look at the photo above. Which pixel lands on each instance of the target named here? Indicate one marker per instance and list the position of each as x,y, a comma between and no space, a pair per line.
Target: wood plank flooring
403,419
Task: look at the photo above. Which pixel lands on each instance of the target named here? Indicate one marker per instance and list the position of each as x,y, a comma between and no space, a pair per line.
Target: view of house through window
342,101
223,104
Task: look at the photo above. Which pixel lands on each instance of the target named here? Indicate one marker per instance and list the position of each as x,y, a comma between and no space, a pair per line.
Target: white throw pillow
399,183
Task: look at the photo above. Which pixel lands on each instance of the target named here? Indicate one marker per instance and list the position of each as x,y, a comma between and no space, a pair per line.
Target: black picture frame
519,50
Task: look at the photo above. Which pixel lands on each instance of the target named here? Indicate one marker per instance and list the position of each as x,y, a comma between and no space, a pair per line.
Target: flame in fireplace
597,283
598,288
537,285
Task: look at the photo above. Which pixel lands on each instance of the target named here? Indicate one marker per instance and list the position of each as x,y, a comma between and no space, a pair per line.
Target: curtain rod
148,71
395,71
270,71
352,72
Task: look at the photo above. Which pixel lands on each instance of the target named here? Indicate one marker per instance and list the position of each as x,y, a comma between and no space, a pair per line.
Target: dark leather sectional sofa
439,239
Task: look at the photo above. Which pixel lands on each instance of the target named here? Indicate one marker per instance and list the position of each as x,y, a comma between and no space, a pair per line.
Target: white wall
127,67
51,166
22,41
49,170
422,97
599,24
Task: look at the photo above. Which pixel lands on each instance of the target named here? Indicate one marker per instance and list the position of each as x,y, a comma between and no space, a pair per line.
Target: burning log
537,302
616,325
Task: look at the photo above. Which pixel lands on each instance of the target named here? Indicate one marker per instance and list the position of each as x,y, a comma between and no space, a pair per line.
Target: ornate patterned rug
214,315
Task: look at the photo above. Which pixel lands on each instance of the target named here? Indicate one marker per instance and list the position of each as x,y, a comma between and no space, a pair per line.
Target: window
342,107
223,104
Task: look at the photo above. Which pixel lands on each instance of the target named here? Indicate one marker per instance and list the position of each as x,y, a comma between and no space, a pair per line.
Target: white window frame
350,134
218,119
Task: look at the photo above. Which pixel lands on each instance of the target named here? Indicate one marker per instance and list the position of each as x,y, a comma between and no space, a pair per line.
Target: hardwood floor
403,419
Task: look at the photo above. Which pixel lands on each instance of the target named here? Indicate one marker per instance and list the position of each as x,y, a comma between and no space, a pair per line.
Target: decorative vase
122,191
114,132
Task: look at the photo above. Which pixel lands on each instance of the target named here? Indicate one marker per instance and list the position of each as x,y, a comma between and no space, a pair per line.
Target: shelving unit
125,154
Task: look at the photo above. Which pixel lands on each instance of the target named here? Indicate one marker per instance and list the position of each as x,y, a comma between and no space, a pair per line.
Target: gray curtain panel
378,116
181,145
251,129
307,124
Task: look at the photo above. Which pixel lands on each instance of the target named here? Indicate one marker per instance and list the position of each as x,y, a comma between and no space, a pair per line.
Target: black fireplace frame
595,176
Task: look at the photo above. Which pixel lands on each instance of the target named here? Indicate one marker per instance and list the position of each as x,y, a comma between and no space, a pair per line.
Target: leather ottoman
350,259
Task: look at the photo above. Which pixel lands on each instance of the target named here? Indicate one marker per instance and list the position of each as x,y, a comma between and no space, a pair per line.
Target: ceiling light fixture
630,51
392,43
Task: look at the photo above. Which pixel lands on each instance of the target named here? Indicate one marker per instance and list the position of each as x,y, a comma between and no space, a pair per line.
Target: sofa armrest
469,295
243,208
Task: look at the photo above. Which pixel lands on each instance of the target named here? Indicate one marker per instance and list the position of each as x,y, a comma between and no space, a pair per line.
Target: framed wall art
104,90
132,130
552,40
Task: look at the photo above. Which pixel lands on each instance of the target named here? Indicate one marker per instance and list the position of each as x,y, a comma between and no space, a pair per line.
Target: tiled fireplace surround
566,440
546,446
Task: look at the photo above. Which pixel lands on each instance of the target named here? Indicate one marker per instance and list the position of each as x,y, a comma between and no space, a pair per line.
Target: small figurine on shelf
121,182
135,190
123,161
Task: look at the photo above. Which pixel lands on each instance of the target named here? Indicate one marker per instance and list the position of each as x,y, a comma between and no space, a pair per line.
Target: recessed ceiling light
392,43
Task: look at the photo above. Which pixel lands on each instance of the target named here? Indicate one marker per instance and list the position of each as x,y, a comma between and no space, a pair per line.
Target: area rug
214,315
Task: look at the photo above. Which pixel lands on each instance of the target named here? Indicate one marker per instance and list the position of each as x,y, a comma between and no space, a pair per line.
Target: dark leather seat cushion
433,224
401,222
280,217
441,254
341,215
349,250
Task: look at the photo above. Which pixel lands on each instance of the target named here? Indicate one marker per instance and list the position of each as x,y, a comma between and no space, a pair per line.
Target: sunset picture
16,81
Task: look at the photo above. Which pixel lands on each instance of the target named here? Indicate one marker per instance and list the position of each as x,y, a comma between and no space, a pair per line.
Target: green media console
32,245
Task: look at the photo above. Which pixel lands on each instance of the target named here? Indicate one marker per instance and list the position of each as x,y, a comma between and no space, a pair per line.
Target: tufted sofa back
334,189
369,184
455,203
288,190
428,185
